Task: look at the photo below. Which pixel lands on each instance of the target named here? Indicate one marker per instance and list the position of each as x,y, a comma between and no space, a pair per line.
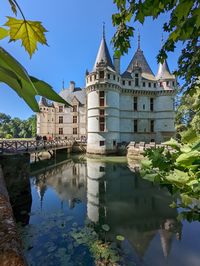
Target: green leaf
146,163
44,89
173,143
150,177
15,76
178,178
173,205
186,200
3,33
29,32
105,227
120,237
186,159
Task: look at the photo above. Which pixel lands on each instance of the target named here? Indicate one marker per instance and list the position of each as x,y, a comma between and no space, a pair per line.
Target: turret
102,87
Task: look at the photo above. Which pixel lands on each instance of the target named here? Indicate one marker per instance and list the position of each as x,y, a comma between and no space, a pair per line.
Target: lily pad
120,237
105,227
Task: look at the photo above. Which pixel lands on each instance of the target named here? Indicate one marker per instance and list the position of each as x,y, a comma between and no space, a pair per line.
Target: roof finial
103,29
63,84
138,39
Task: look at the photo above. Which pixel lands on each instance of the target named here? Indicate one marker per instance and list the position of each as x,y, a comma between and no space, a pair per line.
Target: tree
17,128
11,71
183,26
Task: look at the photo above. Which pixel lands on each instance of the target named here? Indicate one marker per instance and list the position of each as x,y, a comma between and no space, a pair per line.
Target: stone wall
10,244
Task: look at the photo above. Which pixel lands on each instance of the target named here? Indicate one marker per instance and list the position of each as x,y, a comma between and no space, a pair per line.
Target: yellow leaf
3,33
29,32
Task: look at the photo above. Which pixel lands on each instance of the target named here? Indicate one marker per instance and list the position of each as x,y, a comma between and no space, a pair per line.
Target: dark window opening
74,119
173,83
123,82
154,85
114,143
101,168
60,131
101,74
135,103
129,83
151,104
143,106
152,125
136,80
135,126
101,112
74,131
108,76
149,85
101,98
143,84
101,143
74,108
114,77
60,119
90,78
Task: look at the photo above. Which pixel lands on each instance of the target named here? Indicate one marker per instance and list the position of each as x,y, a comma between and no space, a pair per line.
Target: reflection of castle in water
68,180
131,206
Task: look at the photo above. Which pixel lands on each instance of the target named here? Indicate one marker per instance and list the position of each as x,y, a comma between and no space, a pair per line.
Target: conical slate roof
103,55
139,61
164,72
43,101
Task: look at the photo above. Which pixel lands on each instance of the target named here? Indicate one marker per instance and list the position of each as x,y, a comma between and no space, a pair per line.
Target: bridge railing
7,146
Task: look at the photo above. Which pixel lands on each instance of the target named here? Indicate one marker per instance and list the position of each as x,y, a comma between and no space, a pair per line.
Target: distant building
114,107
56,120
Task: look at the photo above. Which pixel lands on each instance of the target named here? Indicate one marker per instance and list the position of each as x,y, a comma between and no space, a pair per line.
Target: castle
114,108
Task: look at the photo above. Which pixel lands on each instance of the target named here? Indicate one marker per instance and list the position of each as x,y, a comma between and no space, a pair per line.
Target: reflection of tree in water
68,180
131,207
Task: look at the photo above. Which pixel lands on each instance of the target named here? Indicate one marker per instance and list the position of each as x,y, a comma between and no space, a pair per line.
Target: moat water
98,212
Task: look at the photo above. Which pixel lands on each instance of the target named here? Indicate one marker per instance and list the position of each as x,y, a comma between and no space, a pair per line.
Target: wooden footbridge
33,146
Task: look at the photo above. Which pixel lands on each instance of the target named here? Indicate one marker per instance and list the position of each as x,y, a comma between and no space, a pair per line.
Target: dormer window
60,109
149,84
114,77
173,83
167,83
136,80
129,83
101,74
123,82
154,85
143,84
108,76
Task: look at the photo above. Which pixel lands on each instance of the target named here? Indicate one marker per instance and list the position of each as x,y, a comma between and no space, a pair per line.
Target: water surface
79,208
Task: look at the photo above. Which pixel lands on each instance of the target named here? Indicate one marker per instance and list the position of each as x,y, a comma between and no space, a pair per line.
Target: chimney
116,62
72,86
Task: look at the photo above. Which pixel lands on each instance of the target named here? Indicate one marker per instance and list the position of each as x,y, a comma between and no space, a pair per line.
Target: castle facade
114,107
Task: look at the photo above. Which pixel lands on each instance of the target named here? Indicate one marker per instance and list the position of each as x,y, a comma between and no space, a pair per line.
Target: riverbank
10,243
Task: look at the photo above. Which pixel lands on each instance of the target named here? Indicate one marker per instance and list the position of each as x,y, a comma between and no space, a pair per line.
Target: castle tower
165,101
102,89
46,119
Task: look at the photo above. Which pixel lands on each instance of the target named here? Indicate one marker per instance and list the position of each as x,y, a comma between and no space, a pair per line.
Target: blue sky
74,34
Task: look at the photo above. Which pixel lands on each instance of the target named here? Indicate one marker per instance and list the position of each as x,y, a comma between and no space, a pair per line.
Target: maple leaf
3,33
29,32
